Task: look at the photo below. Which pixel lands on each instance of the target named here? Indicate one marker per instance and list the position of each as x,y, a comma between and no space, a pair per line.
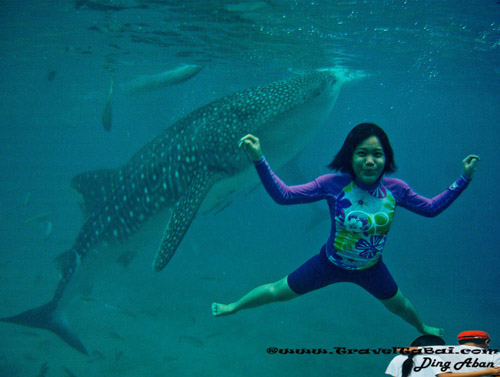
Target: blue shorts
318,272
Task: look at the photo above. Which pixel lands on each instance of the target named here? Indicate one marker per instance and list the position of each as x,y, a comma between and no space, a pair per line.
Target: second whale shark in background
195,160
148,83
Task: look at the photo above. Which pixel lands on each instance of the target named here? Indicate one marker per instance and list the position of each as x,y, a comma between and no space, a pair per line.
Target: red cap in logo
473,334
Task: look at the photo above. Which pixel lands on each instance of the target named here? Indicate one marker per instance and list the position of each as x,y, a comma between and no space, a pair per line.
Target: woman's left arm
434,206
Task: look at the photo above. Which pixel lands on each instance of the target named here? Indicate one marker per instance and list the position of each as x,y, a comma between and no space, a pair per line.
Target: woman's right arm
276,188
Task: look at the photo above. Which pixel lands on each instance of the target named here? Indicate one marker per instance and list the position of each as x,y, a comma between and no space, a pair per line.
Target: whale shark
148,83
194,163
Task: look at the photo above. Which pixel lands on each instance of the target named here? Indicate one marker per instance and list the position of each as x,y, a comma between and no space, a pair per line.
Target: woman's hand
251,145
470,163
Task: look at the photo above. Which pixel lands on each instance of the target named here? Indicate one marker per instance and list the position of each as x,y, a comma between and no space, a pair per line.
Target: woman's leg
262,295
401,306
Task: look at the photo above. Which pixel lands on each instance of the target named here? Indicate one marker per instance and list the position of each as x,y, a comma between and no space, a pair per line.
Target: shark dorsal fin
94,186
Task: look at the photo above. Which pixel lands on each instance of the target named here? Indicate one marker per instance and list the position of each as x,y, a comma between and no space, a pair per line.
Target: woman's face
368,161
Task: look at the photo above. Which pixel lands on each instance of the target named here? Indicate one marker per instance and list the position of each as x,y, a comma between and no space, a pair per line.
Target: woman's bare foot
431,330
222,309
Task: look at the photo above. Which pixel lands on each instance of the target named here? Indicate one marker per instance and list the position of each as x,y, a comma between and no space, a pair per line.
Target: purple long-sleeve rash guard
361,215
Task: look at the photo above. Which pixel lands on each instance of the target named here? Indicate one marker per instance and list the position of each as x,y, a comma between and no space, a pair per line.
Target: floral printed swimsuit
362,220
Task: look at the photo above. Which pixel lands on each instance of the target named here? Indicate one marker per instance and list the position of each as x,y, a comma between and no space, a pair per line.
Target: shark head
284,115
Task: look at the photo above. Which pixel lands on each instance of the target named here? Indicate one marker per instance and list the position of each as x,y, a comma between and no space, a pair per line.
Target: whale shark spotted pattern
177,169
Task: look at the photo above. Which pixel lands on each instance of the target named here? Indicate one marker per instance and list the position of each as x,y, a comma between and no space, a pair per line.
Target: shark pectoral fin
182,215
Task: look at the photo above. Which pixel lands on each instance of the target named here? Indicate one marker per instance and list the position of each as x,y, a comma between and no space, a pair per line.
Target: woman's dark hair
421,341
343,159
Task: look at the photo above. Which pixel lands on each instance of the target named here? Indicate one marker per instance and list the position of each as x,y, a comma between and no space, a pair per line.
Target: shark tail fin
49,318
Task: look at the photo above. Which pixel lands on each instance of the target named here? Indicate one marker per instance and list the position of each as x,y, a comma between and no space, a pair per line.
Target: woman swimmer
362,203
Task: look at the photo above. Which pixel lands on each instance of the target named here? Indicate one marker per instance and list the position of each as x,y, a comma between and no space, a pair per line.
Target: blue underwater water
433,83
